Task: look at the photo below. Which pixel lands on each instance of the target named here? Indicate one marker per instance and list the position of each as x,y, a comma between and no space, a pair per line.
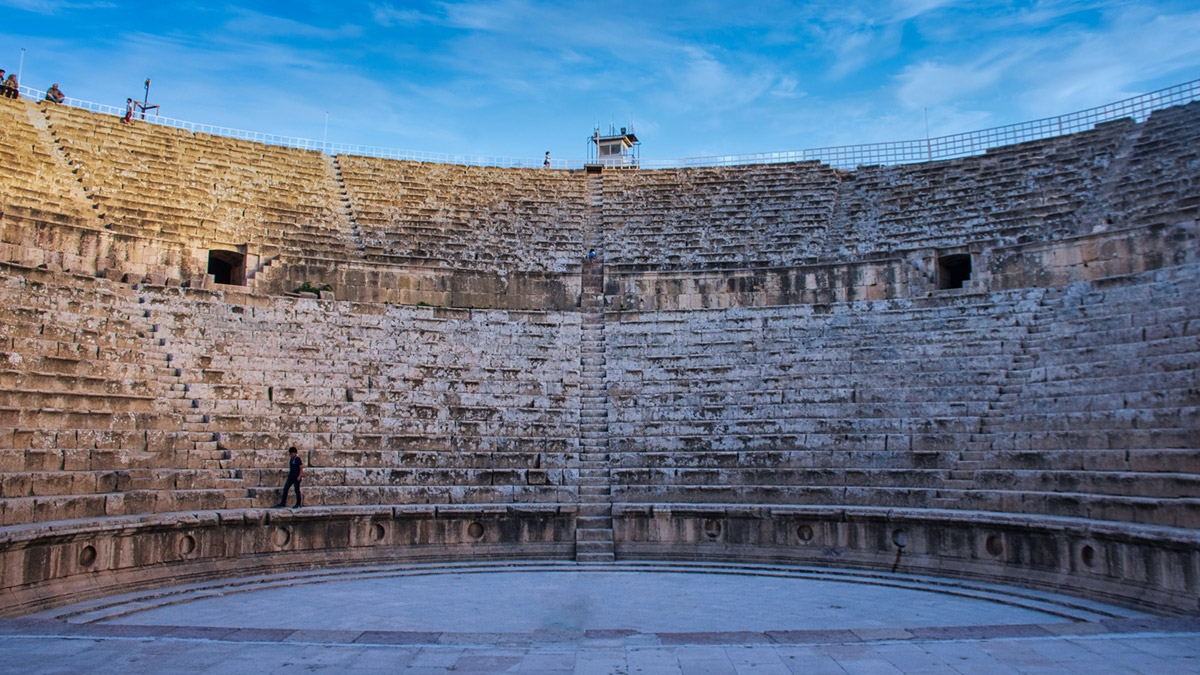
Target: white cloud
265,25
388,16
929,84
903,10
1097,67
53,6
787,87
499,15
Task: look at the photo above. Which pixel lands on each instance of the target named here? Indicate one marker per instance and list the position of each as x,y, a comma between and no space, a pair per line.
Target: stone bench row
1007,186
101,450
250,174
1119,484
1137,460
1180,513
28,510
65,483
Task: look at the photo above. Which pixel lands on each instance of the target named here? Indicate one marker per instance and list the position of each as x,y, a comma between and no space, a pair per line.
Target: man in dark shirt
54,94
295,470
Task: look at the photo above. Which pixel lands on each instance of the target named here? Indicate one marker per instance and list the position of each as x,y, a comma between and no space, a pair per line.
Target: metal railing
841,157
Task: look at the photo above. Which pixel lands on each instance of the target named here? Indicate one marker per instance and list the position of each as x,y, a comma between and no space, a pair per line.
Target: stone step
594,535
602,511
594,547
594,558
601,522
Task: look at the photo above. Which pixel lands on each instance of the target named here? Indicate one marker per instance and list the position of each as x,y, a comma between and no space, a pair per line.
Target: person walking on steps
295,470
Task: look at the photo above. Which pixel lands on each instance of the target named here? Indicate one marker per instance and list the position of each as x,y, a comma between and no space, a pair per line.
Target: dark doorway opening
954,271
227,267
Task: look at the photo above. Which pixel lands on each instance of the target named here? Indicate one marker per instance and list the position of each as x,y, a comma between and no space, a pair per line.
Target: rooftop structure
615,149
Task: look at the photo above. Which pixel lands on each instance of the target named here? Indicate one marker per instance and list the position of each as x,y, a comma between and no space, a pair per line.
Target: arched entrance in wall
227,267
954,270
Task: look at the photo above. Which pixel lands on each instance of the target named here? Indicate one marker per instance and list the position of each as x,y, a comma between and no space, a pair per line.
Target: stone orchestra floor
622,619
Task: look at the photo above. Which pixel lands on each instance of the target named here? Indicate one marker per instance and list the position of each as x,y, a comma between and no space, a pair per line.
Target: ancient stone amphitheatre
984,370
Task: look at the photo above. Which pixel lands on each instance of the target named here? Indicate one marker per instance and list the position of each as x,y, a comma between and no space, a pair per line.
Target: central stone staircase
594,526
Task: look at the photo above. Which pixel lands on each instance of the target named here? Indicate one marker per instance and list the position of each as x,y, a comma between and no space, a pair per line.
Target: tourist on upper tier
546,164
128,119
11,88
54,94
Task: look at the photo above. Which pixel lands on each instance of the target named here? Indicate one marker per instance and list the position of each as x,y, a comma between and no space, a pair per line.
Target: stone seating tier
182,190
197,187
870,408
472,217
1007,194
40,195
768,215
1158,179
1005,393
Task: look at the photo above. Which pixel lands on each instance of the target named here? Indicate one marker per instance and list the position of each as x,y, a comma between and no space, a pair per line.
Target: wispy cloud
50,7
925,84
388,16
269,26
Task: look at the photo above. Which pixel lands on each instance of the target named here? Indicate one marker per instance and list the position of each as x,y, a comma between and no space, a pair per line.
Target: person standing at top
12,89
54,94
295,471
546,164
128,119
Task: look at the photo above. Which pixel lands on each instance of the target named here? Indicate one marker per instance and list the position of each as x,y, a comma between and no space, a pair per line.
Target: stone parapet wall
438,287
1157,569
48,565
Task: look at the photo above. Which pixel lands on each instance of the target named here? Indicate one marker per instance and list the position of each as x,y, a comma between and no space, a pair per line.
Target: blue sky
514,78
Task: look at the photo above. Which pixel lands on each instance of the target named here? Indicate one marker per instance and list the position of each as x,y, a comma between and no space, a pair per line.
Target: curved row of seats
188,189
1075,402
466,217
120,400
1078,402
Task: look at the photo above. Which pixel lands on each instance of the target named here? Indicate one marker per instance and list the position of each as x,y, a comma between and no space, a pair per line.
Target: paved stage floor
624,619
